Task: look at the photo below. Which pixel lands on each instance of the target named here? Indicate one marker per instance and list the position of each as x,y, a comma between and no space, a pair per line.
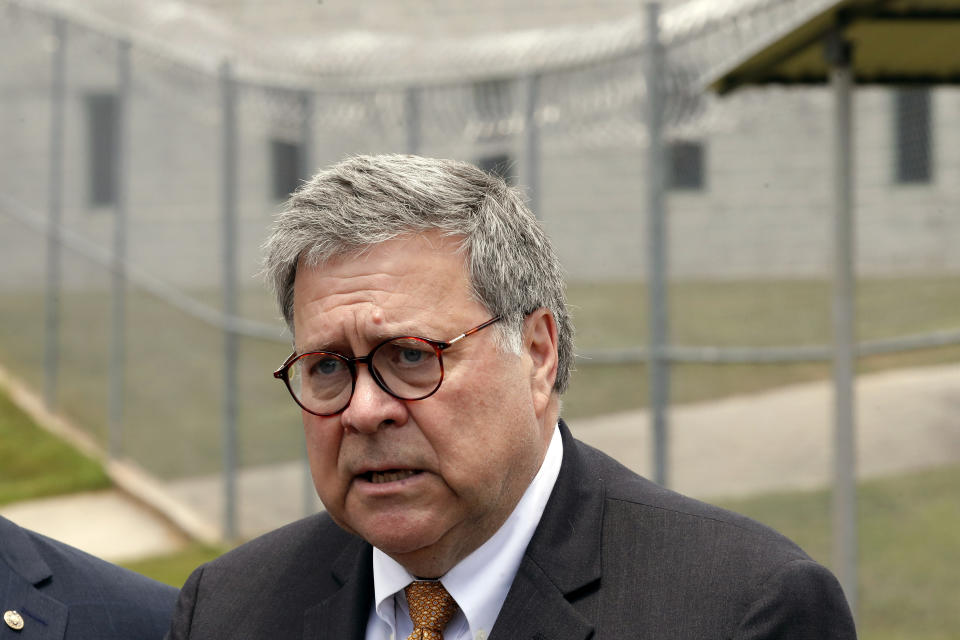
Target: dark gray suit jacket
614,557
62,593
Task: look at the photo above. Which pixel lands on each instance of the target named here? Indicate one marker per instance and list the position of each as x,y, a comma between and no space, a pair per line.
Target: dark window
285,157
102,148
499,164
912,124
493,101
685,166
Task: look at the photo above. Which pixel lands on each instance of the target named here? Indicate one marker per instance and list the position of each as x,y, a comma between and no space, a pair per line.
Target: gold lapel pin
13,619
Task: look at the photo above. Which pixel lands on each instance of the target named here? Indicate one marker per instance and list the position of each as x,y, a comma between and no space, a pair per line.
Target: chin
423,551
397,542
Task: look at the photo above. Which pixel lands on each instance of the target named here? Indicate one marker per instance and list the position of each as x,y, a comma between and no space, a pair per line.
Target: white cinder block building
749,174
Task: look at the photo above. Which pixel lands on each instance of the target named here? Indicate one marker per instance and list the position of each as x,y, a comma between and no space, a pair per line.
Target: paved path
108,524
781,439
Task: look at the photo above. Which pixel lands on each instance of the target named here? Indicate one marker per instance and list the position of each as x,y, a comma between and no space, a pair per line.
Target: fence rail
676,353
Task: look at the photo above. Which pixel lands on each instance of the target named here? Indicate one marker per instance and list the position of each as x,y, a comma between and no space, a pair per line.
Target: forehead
402,279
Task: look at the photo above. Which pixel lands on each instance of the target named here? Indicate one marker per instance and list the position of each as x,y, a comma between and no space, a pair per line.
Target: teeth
379,477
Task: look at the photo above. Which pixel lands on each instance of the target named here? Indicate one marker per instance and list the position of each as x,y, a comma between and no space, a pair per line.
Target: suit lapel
344,614
535,609
43,617
563,560
20,588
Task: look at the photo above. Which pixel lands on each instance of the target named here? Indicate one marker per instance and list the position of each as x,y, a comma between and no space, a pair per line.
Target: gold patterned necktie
431,608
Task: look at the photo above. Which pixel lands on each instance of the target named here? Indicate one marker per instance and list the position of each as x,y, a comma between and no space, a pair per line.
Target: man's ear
540,344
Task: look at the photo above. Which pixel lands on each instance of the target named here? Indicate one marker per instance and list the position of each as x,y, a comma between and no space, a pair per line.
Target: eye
406,353
411,356
326,366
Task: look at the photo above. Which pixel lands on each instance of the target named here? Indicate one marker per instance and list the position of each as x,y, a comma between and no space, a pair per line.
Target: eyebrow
373,341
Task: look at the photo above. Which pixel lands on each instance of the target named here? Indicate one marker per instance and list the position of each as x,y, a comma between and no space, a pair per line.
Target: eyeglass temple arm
281,373
474,330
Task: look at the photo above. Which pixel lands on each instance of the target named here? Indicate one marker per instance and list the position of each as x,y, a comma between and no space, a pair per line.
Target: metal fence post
307,161
118,332
229,215
51,342
532,143
411,113
839,53
658,367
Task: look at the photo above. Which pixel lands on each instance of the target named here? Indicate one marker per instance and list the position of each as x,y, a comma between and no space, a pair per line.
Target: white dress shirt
480,582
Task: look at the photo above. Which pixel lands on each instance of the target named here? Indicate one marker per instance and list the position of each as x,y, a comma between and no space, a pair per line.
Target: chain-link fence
138,185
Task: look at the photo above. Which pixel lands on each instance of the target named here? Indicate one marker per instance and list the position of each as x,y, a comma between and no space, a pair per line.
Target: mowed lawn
747,313
174,378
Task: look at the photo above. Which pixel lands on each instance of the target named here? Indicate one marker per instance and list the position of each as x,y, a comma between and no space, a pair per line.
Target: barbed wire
590,74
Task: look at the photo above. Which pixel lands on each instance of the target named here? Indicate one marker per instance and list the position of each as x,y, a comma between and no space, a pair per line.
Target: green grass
909,548
909,536
747,313
173,386
174,377
173,569
37,464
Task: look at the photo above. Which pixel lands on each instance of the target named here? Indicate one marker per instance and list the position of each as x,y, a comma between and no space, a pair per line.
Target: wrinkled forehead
424,272
339,249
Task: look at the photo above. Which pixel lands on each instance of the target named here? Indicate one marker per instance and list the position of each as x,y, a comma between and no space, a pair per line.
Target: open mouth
389,475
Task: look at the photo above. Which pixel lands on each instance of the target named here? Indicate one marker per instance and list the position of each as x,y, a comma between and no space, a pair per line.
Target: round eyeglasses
406,367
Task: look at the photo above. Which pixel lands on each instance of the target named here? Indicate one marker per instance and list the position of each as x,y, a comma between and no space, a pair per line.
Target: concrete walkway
109,524
783,439
908,419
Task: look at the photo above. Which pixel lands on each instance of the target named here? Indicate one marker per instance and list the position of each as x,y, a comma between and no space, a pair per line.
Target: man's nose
371,407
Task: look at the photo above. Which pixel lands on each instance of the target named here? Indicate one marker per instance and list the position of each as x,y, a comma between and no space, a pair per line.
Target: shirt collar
480,582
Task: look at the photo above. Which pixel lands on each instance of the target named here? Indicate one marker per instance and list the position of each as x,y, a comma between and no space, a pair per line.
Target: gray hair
365,200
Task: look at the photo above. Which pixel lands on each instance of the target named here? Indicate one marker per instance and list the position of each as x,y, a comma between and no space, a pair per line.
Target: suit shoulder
303,552
291,568
632,500
674,566
101,599
316,537
76,571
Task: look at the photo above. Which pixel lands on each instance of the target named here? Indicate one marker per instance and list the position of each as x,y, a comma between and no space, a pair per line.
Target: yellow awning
894,42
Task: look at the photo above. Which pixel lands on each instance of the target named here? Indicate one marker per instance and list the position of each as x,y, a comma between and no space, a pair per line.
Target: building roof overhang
893,42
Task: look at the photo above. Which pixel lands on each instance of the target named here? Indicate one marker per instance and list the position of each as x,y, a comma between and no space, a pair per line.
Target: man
52,591
432,344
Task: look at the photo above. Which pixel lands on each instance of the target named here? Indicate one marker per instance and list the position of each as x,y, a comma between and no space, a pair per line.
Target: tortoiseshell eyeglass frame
283,372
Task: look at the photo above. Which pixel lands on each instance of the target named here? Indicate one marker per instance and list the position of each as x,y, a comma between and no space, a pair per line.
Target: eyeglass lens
408,368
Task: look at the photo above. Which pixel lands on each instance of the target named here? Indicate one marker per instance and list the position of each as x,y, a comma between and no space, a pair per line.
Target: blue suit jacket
63,593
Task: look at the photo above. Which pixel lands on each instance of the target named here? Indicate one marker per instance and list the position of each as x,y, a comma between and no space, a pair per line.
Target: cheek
483,439
322,436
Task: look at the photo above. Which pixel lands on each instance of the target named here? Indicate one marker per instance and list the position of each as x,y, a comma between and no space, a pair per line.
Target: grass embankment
173,569
37,464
